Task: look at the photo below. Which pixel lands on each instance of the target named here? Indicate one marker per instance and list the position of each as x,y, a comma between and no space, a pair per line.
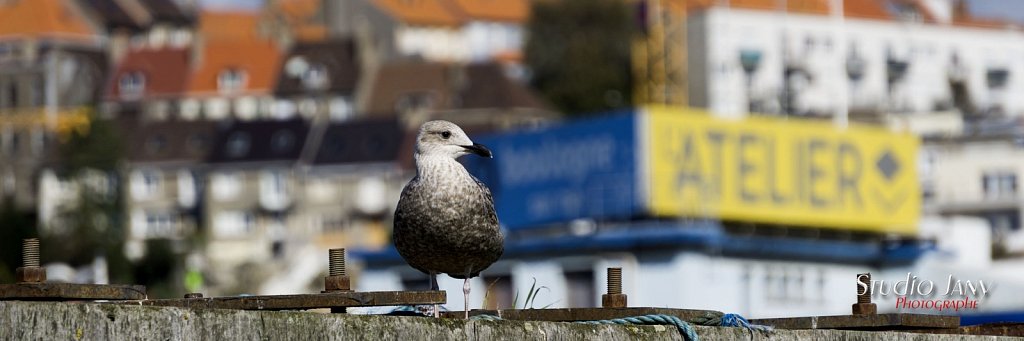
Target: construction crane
659,53
63,121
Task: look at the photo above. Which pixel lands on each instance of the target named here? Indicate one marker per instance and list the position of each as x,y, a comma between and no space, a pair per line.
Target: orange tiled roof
258,59
870,9
502,10
421,12
299,8
793,6
217,25
42,18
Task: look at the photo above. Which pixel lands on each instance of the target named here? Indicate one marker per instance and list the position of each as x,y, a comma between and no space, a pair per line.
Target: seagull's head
443,138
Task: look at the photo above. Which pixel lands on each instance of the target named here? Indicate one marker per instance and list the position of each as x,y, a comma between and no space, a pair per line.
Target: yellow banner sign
777,171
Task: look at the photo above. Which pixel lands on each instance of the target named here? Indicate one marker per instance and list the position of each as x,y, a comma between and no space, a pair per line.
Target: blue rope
684,328
735,320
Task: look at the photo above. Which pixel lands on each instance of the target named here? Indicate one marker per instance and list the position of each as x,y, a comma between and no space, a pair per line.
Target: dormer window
156,144
238,145
415,101
315,77
231,80
282,141
131,85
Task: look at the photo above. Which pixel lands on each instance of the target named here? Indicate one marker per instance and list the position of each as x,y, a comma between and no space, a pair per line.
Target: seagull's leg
465,295
434,286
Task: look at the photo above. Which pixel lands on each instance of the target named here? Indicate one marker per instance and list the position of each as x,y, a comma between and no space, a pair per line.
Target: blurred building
163,182
351,181
978,175
148,84
251,192
232,79
52,67
857,60
135,24
471,95
436,30
318,81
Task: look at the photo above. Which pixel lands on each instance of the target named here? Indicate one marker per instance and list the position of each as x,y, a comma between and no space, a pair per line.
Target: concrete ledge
88,321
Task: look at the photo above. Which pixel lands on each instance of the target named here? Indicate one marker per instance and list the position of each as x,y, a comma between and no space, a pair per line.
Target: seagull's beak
479,149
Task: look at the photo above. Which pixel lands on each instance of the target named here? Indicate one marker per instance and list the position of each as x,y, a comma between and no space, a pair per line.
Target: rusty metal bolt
337,280
337,261
614,298
30,253
194,295
864,305
30,272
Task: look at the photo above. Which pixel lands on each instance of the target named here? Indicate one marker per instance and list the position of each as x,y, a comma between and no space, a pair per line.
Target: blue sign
582,169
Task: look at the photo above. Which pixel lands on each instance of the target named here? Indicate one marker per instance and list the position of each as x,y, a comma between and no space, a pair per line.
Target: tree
94,226
578,52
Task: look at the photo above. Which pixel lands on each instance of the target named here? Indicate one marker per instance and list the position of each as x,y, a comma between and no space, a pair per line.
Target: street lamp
750,60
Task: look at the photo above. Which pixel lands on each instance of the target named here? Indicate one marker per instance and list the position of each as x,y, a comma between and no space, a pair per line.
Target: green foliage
531,297
99,147
579,54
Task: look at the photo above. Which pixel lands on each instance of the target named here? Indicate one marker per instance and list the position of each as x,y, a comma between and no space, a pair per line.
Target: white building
874,56
435,30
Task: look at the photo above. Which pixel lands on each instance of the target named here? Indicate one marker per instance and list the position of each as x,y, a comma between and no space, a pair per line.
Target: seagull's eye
446,134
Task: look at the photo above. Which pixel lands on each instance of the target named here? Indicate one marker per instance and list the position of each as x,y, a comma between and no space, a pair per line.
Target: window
190,109
231,80
282,142
340,109
1003,221
315,77
415,101
999,185
156,144
233,224
997,78
226,186
145,184
160,225
238,145
131,85
197,143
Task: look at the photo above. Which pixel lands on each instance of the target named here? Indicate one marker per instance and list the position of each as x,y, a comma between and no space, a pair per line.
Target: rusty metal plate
306,301
864,322
991,329
70,292
582,314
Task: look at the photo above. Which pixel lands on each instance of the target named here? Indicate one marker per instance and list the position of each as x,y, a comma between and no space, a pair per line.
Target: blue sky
232,4
1005,9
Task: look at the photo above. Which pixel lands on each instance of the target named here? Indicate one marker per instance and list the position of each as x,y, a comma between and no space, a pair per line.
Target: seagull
445,220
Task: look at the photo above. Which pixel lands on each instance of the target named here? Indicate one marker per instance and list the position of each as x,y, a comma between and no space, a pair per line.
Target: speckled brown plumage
445,220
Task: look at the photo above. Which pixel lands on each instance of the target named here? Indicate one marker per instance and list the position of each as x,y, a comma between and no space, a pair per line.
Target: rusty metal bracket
865,322
70,292
582,314
341,299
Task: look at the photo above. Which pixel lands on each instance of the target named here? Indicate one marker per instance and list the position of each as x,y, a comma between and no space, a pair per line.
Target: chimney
338,16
